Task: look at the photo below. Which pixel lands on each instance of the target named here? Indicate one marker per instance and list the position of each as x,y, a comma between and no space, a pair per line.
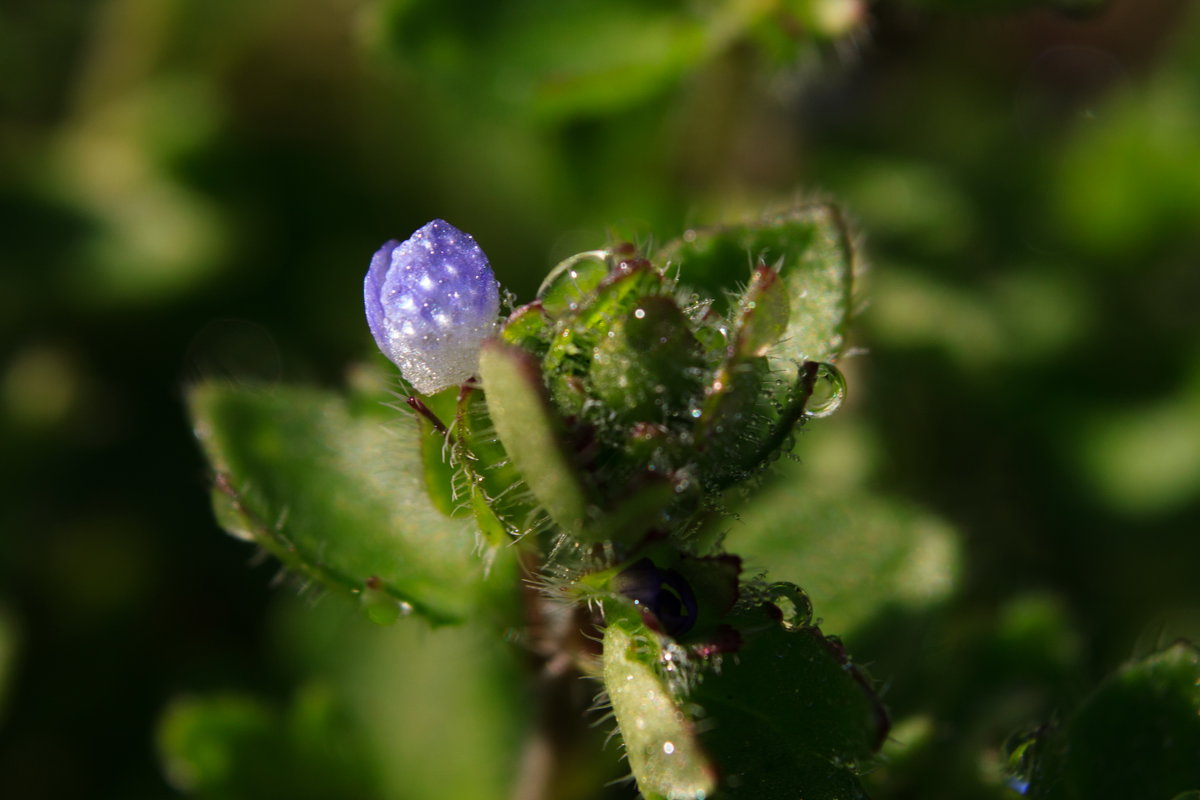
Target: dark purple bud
662,593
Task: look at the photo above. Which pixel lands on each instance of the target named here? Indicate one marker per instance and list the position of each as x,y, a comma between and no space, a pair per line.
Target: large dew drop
829,389
794,604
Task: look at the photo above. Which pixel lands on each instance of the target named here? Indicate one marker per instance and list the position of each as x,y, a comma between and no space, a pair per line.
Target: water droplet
829,389
380,607
1020,755
793,603
640,313
668,747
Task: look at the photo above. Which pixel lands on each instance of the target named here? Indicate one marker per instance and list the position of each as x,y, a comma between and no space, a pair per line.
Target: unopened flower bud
431,301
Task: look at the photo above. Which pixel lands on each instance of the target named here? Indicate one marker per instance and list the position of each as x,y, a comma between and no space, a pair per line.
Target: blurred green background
1005,509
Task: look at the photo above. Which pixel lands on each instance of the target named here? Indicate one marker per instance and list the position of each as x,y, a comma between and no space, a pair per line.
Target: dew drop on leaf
829,389
793,603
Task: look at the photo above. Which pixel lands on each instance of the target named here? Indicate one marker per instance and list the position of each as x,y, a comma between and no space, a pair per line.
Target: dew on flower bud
573,280
431,301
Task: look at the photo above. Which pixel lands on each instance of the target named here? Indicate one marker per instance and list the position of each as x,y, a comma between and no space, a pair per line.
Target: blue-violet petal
431,301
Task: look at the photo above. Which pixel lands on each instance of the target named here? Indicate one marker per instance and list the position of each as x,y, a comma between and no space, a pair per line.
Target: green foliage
886,558
999,509
608,419
338,497
1138,735
437,712
531,433
234,747
785,714
580,59
810,247
792,716
660,738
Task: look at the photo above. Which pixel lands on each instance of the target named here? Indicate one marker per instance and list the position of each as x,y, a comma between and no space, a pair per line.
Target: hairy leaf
812,249
660,741
531,432
339,498
785,715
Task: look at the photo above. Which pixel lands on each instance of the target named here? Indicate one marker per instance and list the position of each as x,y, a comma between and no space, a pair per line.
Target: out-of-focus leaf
233,747
8,653
575,57
1137,736
1000,6
1146,460
855,554
154,237
815,256
1151,138
443,713
338,498
578,58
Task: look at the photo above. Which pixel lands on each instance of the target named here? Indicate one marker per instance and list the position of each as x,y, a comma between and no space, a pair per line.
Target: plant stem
561,699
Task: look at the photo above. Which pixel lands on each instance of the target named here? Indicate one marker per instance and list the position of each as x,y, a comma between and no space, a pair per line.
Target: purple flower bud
431,301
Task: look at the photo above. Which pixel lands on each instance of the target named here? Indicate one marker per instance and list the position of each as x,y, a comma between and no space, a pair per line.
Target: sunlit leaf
338,498
812,247
531,432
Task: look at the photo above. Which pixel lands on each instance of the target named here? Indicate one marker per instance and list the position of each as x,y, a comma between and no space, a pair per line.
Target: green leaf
574,58
764,313
660,740
856,554
443,713
1137,736
786,715
570,357
437,465
790,716
528,328
232,747
813,252
741,427
339,498
532,432
502,504
647,368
